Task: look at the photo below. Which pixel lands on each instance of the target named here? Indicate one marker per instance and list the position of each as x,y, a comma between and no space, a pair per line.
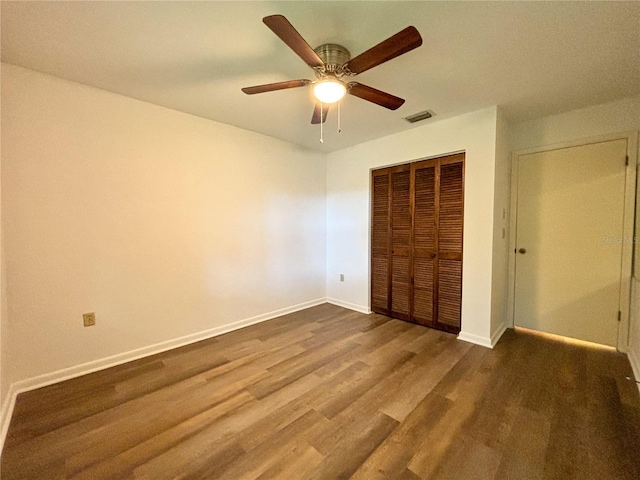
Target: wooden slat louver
380,244
425,193
449,292
423,300
400,241
424,242
451,203
450,227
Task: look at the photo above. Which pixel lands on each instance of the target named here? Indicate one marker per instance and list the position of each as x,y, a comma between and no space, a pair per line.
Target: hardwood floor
327,393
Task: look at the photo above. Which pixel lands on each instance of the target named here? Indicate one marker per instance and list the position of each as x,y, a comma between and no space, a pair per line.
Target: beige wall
162,223
614,117
348,177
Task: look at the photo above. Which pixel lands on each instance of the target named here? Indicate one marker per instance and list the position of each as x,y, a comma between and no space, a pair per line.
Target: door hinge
626,160
619,315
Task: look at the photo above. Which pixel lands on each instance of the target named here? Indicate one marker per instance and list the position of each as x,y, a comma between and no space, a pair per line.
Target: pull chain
339,128
321,123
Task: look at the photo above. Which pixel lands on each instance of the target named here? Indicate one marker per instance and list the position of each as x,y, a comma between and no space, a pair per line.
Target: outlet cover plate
89,319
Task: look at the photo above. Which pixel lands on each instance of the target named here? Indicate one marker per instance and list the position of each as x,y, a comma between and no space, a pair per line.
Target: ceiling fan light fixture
329,90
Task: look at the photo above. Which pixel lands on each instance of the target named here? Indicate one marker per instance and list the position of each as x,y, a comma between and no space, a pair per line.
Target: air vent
419,116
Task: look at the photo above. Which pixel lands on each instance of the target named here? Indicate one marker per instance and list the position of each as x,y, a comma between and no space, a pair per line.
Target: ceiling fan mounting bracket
333,56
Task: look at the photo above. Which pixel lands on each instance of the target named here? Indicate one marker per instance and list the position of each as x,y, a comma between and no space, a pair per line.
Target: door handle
522,251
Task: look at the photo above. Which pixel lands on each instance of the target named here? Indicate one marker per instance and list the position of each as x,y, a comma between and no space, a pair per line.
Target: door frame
628,225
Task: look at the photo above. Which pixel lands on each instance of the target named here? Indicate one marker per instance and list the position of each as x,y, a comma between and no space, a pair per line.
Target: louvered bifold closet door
401,242
450,236
380,241
416,241
424,242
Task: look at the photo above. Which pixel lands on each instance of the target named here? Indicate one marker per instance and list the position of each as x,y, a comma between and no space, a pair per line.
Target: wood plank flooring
328,393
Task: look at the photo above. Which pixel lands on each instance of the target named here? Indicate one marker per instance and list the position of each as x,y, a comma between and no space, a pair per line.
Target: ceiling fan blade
316,113
270,87
289,35
376,96
392,47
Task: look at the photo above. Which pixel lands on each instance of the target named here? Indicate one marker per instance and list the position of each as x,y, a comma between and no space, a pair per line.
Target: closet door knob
522,251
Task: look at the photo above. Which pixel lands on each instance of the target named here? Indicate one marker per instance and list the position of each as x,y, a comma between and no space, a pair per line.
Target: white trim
513,222
633,134
483,341
114,360
635,365
5,415
498,334
477,339
349,305
626,272
628,224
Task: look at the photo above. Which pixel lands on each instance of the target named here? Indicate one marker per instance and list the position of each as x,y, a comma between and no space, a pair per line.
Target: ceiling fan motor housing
334,57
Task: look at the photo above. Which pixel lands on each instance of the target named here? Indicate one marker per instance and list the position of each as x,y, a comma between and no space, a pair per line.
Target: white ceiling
532,58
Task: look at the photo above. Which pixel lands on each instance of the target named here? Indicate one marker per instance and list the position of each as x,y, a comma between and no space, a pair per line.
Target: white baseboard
107,362
635,364
495,338
8,404
349,305
477,339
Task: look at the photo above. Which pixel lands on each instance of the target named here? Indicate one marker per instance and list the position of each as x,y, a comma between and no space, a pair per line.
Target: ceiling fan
331,63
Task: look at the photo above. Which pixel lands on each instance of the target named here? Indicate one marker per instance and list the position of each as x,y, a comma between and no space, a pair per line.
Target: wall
615,117
348,177
502,196
168,226
610,118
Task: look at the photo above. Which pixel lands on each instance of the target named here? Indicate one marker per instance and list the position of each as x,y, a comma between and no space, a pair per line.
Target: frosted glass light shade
329,91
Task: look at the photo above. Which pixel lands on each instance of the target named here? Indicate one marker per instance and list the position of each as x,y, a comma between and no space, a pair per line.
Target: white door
569,238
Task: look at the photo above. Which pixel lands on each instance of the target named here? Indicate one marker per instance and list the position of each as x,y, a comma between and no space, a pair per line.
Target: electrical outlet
89,319
342,277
